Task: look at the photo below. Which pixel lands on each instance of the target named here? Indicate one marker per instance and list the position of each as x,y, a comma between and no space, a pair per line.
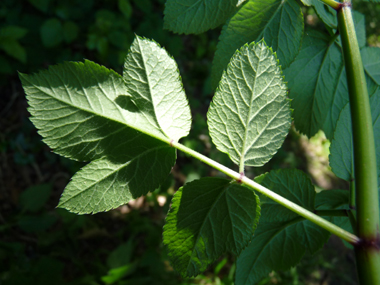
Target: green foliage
197,16
280,23
282,237
225,218
249,116
129,126
86,117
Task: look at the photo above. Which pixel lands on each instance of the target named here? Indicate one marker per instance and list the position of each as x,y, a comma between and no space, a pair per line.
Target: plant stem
367,202
333,4
272,195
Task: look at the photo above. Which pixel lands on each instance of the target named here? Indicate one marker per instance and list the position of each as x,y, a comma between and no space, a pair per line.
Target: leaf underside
249,116
209,217
80,111
282,237
279,22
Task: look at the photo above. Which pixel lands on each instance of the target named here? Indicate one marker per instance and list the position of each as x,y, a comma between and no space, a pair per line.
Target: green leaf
249,116
35,197
341,149
209,217
42,5
197,16
325,13
76,107
279,22
13,32
371,62
13,48
125,8
70,31
51,32
240,2
315,80
331,199
282,237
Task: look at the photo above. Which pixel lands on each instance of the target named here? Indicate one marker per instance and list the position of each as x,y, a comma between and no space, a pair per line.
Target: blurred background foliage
40,244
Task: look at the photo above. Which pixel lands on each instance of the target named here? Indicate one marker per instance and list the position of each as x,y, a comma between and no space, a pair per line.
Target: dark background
40,244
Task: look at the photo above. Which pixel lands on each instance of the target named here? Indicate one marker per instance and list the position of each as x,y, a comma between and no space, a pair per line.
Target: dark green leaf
282,237
279,22
316,80
197,16
51,32
70,31
13,32
209,217
13,48
33,198
371,62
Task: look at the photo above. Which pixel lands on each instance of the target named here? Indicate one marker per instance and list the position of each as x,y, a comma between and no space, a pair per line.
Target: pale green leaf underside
209,217
197,16
282,238
341,149
78,111
279,22
249,116
316,81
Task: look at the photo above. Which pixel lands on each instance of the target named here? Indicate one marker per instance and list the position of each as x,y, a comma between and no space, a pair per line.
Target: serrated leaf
197,16
341,149
155,86
315,80
371,62
325,13
209,217
282,237
78,109
279,22
249,116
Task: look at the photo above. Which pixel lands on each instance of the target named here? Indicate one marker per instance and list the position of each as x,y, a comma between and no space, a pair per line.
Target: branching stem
272,195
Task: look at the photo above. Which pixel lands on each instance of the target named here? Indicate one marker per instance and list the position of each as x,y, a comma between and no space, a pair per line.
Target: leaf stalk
334,229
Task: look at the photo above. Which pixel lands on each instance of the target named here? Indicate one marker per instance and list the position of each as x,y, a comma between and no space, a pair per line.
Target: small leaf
209,217
279,22
315,79
282,237
70,31
249,116
75,106
13,32
51,33
371,62
341,149
42,5
197,16
35,197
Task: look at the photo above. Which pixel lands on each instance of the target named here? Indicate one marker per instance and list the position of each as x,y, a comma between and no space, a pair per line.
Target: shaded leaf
209,217
197,16
51,32
316,80
13,32
279,22
249,116
35,197
13,48
282,237
341,149
371,62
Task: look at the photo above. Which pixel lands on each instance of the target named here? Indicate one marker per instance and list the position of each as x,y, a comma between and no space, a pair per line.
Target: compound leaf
80,111
282,237
197,16
279,22
315,79
209,217
249,116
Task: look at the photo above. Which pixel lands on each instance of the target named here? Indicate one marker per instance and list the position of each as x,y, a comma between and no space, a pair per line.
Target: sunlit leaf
249,116
124,126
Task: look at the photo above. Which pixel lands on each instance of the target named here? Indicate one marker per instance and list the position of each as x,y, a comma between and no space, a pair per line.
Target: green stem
333,4
272,195
367,202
